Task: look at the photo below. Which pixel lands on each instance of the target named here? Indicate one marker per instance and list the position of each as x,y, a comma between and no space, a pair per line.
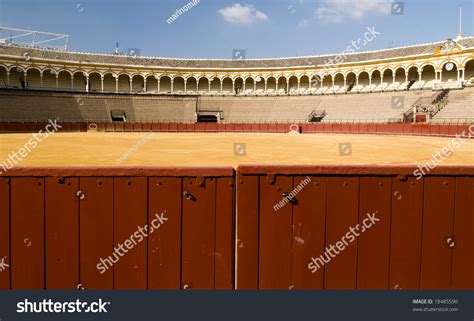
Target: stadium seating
459,108
21,105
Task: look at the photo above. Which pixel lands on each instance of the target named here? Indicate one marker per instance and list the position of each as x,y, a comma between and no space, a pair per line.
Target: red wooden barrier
146,127
119,127
70,220
5,231
182,127
362,128
276,243
137,127
127,127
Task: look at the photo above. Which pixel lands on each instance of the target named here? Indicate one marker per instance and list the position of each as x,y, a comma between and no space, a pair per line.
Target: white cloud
336,11
242,14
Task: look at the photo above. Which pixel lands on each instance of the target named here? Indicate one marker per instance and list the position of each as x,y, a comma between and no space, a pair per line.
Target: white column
159,85
333,89
131,84
322,80
101,83
345,84
87,83
116,84
185,84
254,86
233,86
145,86
209,83
197,84
381,81
8,78
72,80
357,82
172,85
243,90
57,80
370,83
221,84
266,81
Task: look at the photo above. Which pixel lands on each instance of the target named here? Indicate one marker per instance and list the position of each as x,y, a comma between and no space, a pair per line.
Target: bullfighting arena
232,149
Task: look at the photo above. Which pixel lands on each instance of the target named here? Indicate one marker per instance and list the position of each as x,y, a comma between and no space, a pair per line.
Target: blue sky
213,28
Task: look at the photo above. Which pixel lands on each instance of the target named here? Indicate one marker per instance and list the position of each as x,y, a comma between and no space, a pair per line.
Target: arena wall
423,239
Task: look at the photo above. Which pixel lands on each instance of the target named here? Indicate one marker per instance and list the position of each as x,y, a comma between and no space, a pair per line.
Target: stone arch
215,85
449,75
124,83
238,85
165,84
249,84
363,81
33,76
3,77
109,82
376,82
339,83
203,85
178,84
282,85
293,83
138,83
95,81
304,83
469,72
227,85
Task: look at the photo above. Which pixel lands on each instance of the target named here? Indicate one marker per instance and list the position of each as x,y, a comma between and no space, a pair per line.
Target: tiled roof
467,42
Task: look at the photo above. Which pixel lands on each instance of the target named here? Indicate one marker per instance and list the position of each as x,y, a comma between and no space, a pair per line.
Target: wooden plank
275,234
436,258
308,233
96,217
224,254
198,249
247,220
27,233
164,245
405,239
463,251
130,219
342,214
62,233
374,243
5,233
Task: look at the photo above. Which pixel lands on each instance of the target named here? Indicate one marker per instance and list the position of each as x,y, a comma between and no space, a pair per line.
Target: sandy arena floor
224,149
